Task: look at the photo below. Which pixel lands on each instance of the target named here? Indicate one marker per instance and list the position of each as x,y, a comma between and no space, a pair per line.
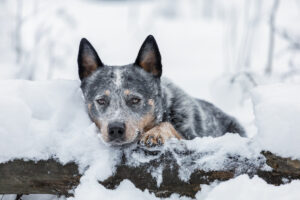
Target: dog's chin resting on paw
134,102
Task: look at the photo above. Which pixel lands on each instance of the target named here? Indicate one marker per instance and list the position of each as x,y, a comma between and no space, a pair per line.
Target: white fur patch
118,74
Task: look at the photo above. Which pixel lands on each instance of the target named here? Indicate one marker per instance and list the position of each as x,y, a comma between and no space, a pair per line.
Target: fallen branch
51,177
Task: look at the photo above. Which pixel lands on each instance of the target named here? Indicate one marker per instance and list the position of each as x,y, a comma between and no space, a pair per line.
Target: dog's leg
159,134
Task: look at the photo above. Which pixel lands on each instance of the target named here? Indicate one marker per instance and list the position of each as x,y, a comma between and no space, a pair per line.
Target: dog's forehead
119,78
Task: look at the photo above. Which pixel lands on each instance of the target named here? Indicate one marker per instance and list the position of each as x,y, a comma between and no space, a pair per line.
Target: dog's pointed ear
149,57
88,59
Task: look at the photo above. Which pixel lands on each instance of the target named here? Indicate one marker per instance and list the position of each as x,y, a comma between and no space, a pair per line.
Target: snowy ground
52,122
200,52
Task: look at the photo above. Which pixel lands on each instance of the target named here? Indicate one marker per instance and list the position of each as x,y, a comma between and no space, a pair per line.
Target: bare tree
272,31
41,58
17,32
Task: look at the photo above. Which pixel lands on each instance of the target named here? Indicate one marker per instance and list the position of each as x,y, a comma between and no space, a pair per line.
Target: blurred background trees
31,37
227,46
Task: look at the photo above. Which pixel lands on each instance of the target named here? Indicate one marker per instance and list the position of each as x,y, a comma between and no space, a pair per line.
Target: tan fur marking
89,110
171,130
97,124
89,64
89,106
103,129
148,63
126,92
130,134
151,102
143,125
146,123
107,92
162,133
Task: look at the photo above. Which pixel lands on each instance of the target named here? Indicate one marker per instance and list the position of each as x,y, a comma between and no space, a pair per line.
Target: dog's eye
135,100
101,101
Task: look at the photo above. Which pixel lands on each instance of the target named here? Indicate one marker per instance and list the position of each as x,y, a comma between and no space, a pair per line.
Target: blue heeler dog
134,103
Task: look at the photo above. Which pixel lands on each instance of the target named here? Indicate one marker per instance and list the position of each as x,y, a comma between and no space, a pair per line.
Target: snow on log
52,123
51,177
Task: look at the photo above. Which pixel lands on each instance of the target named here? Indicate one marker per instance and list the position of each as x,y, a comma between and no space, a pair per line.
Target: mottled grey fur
190,117
193,117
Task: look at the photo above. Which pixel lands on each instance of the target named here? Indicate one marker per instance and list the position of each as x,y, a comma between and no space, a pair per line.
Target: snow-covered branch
51,177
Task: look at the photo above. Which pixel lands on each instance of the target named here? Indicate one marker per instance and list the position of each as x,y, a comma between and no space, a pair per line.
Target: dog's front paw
159,135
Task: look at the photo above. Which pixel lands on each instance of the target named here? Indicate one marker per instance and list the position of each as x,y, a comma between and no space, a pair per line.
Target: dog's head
123,101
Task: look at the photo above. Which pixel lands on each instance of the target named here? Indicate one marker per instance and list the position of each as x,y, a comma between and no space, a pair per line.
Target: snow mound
47,119
277,112
242,187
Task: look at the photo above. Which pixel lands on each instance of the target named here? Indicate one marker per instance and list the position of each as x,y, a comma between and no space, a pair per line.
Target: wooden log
42,177
51,177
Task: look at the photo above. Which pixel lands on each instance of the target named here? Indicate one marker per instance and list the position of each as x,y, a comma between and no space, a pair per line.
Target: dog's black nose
116,130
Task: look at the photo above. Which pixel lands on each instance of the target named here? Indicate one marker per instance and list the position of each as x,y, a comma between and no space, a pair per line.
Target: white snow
242,187
277,112
207,153
202,43
47,119
214,152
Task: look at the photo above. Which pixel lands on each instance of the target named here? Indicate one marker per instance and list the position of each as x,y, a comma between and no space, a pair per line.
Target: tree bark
51,177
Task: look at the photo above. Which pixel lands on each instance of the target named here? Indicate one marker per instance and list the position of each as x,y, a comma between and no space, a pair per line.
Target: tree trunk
51,177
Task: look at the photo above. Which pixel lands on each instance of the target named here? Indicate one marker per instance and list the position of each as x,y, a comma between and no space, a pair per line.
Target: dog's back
194,117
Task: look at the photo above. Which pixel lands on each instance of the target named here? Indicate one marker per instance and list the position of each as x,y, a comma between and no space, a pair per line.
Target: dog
134,102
